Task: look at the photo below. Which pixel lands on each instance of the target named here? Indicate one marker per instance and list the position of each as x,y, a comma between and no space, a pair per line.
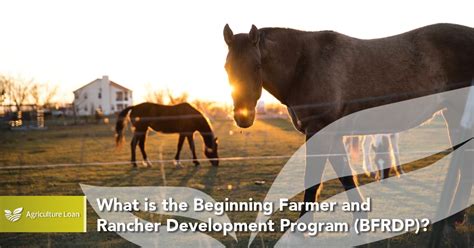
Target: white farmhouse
102,95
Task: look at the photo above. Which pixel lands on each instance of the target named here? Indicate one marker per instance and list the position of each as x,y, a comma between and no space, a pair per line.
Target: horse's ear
254,35
216,141
228,34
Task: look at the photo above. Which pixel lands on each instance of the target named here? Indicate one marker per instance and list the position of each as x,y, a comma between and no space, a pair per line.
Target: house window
85,108
119,107
100,94
85,95
112,108
126,95
119,96
76,95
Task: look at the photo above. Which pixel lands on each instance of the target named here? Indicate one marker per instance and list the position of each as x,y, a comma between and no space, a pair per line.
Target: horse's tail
119,126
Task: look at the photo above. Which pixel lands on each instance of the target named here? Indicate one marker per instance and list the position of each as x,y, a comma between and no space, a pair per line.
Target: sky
151,45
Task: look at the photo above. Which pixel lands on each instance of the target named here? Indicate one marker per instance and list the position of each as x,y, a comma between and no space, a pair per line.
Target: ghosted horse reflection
181,118
324,76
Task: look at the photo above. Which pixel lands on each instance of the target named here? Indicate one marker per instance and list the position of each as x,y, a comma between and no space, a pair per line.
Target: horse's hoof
177,163
148,163
457,220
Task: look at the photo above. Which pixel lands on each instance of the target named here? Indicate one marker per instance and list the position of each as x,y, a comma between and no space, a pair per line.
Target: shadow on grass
130,177
210,180
191,172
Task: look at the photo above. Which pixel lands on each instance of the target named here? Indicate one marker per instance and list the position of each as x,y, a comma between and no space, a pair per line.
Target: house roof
85,85
110,82
119,86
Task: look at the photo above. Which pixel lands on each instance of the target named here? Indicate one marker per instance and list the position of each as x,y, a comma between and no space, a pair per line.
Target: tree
36,94
177,99
42,94
4,86
156,97
50,93
17,90
165,96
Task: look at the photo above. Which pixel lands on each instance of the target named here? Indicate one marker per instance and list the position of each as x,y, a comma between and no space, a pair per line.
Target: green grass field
85,144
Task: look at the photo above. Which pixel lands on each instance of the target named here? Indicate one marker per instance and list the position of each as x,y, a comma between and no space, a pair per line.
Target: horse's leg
457,135
367,140
347,143
456,180
385,162
385,173
351,145
394,141
193,150
141,144
133,146
315,162
180,146
344,172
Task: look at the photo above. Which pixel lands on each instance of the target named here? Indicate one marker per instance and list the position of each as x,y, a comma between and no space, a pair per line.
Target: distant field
93,143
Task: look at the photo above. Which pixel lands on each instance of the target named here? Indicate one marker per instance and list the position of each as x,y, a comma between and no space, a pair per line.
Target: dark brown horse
181,118
324,76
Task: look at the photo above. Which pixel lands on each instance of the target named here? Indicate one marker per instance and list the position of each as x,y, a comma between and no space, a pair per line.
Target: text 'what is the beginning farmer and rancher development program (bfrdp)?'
220,208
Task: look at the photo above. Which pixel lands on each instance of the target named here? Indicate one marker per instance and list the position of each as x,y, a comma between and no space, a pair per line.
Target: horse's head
211,152
243,66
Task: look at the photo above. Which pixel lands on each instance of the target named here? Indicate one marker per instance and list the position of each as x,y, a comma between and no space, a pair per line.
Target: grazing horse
181,118
324,76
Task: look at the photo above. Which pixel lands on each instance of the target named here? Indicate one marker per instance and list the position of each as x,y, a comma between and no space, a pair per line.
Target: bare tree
213,109
50,93
203,106
43,94
156,97
183,97
18,90
35,92
4,87
165,96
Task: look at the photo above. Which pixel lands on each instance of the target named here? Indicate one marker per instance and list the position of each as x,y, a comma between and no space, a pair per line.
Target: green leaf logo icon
13,216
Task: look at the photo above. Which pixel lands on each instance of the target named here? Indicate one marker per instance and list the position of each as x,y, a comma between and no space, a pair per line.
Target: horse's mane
288,31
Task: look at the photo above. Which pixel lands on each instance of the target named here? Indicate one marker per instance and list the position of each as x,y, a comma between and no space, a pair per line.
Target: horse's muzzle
244,117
